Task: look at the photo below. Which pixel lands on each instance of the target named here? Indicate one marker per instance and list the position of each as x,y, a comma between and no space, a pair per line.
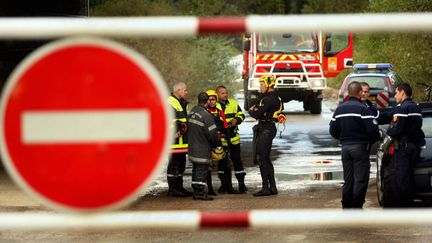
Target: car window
427,126
375,82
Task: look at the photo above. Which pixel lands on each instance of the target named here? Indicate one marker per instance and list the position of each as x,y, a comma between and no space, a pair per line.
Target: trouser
356,170
264,133
224,166
398,176
176,166
199,177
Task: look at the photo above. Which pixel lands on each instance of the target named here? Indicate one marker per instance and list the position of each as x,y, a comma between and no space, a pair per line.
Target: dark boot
200,194
209,184
173,188
181,188
241,184
272,181
228,183
222,188
265,191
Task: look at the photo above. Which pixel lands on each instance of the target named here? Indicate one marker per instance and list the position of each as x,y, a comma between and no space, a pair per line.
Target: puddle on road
322,176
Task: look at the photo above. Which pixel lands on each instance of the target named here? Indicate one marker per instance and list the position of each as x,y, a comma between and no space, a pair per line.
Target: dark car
382,81
422,172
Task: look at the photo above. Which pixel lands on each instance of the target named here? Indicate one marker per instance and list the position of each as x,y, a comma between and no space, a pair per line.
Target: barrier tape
45,27
194,220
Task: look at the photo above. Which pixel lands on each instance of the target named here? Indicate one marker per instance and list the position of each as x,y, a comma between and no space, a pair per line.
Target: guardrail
195,220
42,28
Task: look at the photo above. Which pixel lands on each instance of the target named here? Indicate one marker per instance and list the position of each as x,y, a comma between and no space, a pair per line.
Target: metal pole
43,28
195,220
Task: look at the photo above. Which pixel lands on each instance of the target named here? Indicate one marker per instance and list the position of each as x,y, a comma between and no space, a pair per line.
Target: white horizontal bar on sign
389,22
42,28
41,127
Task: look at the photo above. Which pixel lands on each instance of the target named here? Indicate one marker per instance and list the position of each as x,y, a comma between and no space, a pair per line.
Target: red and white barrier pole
194,220
42,28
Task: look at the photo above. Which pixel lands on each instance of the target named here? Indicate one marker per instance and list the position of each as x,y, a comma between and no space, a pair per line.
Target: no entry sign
84,124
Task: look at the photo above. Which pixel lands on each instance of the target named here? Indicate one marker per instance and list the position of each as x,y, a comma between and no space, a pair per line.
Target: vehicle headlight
318,83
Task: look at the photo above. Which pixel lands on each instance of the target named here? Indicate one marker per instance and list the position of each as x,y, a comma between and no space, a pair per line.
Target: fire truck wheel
315,107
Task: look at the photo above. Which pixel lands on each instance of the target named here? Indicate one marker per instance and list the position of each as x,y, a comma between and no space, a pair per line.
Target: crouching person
203,136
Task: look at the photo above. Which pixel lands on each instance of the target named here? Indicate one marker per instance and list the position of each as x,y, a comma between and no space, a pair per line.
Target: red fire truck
300,63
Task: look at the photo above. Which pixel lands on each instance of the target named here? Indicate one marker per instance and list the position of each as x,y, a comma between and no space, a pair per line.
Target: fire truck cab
300,63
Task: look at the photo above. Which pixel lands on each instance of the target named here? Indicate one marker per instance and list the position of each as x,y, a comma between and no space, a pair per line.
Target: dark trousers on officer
175,170
356,169
398,176
264,133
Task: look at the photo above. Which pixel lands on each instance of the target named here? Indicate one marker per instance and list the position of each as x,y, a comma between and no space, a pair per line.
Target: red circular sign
84,124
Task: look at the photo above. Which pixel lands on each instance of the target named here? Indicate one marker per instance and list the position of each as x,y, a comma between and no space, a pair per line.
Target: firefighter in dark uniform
266,112
231,141
407,139
177,162
222,125
203,137
355,127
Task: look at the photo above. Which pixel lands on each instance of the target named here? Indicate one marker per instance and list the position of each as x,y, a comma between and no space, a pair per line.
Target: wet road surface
309,175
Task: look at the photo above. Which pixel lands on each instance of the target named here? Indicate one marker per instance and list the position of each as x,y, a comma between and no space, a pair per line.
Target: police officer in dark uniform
354,125
266,112
407,139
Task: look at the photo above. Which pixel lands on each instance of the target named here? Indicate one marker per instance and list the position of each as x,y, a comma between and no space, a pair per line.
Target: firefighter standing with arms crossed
177,162
234,117
266,112
203,137
407,138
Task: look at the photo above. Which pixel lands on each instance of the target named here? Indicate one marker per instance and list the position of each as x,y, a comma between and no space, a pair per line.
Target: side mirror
246,45
328,46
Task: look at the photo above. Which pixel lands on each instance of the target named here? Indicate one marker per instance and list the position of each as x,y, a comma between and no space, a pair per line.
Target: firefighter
354,126
407,138
266,112
203,136
177,162
234,117
222,125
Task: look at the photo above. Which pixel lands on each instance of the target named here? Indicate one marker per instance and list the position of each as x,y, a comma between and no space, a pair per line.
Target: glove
217,153
182,128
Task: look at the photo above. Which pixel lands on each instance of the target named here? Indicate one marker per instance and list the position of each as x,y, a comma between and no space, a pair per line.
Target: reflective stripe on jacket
180,117
232,111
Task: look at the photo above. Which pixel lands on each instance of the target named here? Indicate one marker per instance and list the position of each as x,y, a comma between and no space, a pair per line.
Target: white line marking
42,127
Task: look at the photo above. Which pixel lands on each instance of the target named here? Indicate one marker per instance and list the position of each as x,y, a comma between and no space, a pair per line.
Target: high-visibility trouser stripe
240,172
199,183
196,159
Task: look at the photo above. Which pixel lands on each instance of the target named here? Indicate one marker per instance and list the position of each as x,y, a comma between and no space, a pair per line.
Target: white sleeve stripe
414,114
212,127
353,115
402,115
196,122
